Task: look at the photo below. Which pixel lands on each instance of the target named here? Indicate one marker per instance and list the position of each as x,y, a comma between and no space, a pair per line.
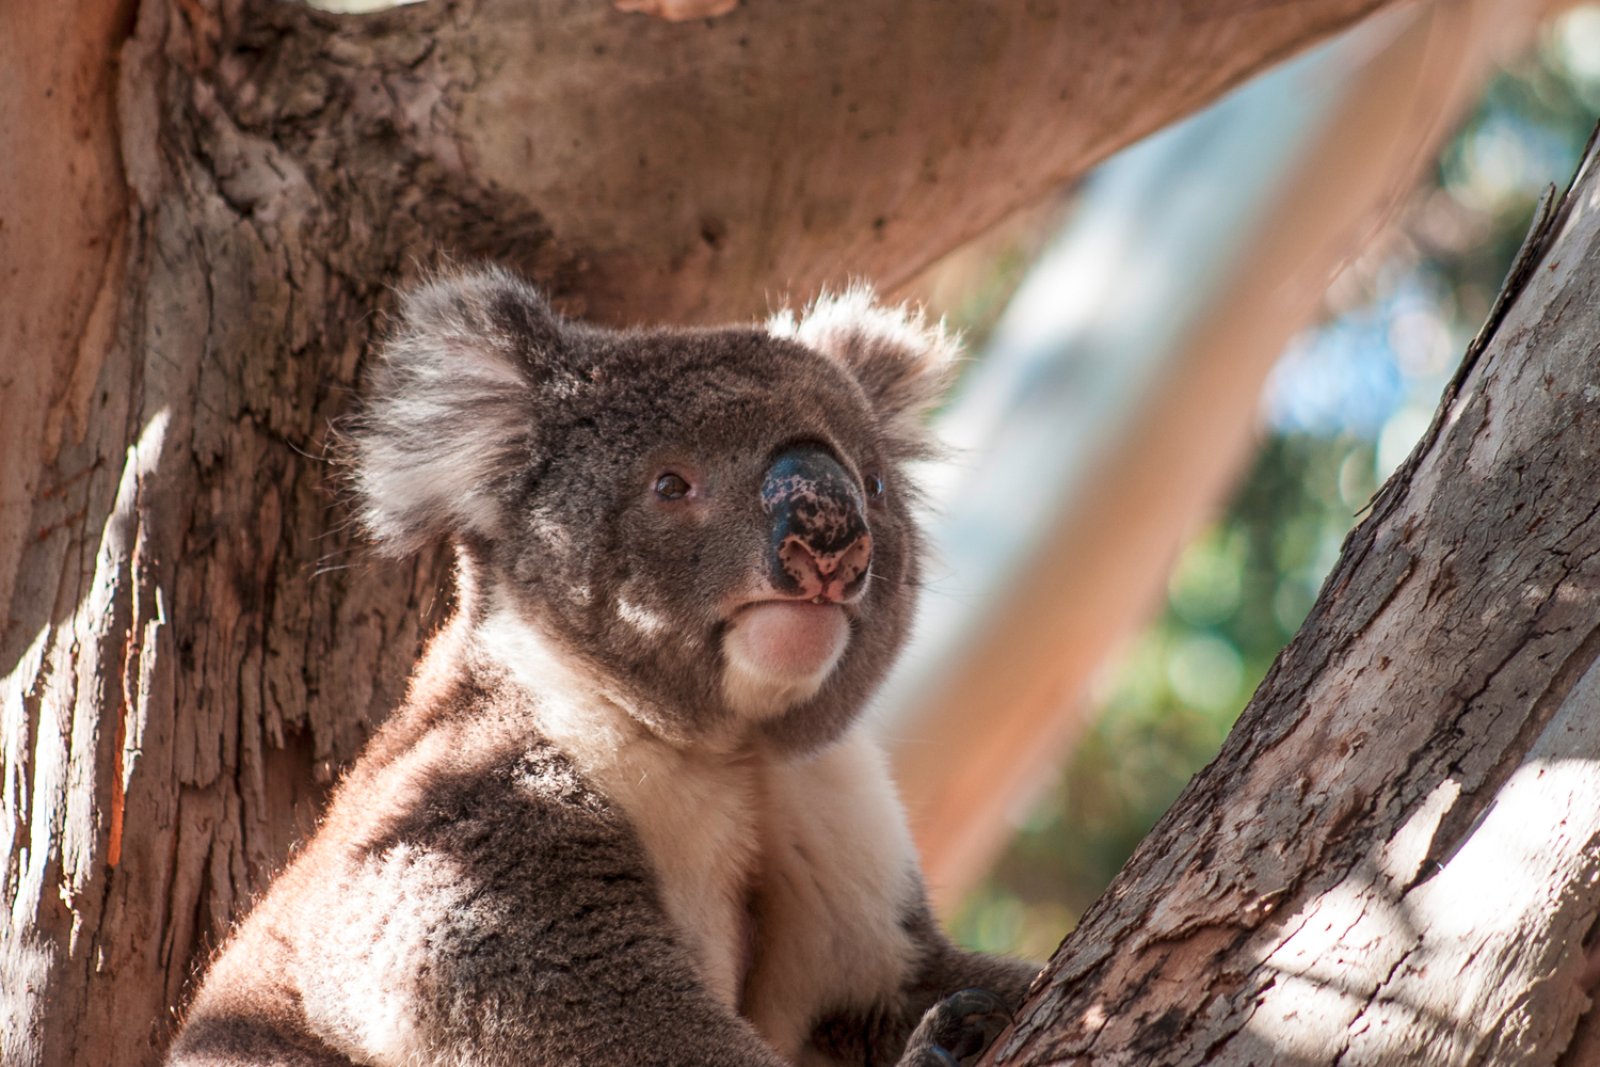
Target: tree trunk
203,207
1396,857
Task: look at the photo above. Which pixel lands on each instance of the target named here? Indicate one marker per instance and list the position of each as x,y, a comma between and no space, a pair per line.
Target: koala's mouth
789,640
779,652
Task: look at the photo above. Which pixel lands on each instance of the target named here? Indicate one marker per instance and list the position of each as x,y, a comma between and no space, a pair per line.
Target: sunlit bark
1396,858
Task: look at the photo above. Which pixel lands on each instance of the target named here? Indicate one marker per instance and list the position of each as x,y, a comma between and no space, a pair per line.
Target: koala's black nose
820,547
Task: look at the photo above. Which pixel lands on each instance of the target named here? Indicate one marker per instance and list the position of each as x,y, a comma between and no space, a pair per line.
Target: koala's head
715,524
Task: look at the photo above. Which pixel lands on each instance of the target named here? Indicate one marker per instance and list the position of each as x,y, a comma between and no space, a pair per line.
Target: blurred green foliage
1241,590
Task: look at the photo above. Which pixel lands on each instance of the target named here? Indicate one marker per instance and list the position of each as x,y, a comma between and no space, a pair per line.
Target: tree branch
1397,853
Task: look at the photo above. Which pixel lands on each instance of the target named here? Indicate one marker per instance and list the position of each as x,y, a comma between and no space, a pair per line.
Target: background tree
1343,407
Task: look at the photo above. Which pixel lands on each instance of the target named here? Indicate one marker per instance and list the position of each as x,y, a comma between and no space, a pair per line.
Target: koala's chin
777,653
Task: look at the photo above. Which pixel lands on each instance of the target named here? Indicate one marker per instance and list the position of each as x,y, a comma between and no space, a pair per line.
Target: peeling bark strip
677,10
1396,857
218,194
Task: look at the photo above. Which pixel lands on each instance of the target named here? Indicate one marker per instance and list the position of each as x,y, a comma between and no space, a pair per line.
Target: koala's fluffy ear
903,362
449,409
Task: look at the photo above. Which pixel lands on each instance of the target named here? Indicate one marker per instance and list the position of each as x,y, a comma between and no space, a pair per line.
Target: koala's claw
957,1030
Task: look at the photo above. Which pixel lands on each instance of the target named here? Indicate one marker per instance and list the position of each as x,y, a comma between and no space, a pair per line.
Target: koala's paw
957,1030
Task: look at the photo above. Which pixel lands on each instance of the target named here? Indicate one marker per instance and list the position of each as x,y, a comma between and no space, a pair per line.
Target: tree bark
1396,857
203,207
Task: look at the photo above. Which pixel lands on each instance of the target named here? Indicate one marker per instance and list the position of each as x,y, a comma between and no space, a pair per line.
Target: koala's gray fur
587,838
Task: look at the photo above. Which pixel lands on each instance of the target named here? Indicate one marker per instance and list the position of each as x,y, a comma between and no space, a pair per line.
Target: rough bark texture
1396,857
210,205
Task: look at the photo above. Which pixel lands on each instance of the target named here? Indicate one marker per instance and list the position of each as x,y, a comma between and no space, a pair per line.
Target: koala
628,813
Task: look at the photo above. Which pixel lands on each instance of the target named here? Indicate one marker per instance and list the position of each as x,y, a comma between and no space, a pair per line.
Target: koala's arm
507,919
962,1001
947,968
951,1006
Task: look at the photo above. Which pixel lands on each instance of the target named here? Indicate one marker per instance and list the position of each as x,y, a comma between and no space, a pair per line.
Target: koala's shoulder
463,766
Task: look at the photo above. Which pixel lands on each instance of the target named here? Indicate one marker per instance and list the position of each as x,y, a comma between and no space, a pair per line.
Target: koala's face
714,522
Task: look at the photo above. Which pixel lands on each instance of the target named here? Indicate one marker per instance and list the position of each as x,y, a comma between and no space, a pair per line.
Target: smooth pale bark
1023,655
204,204
1396,858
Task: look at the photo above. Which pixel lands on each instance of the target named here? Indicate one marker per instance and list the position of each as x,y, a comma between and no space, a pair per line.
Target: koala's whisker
287,441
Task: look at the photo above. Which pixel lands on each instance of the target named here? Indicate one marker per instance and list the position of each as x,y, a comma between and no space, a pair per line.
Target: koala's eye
671,487
874,486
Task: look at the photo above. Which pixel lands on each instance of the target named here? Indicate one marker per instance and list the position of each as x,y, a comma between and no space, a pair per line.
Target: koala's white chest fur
787,879
697,816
